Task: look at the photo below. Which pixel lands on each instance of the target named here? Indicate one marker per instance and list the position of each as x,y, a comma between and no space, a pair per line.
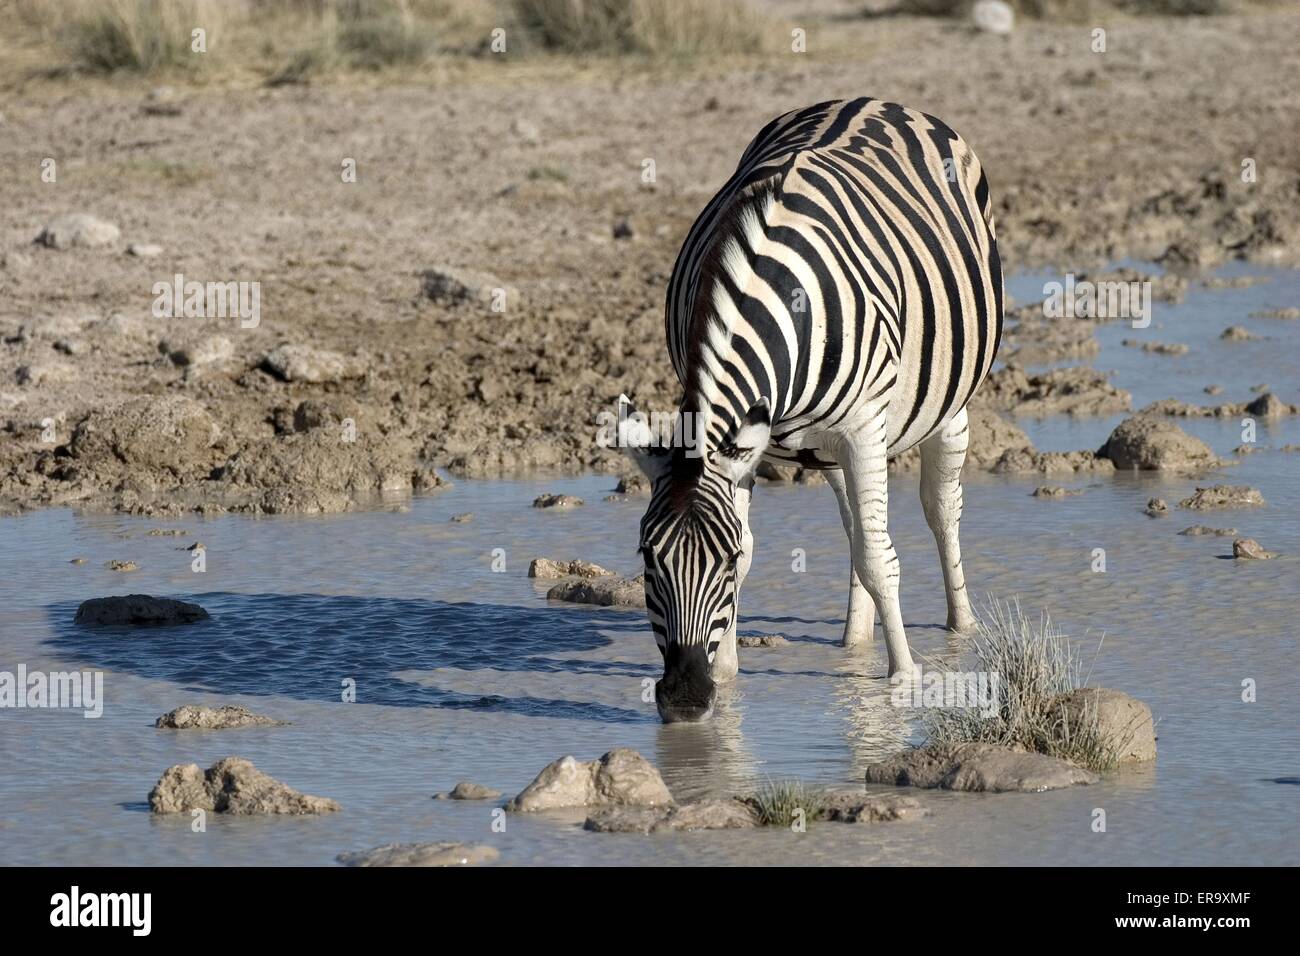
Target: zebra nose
686,691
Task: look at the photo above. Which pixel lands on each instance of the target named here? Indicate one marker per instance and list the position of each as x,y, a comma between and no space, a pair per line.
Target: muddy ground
531,177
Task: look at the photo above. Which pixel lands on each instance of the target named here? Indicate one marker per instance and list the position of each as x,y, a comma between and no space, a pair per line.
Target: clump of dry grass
651,27
138,36
1035,664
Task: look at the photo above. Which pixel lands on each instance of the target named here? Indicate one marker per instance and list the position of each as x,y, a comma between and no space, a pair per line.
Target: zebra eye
731,561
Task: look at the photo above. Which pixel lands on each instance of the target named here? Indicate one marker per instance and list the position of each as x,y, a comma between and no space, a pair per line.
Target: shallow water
463,672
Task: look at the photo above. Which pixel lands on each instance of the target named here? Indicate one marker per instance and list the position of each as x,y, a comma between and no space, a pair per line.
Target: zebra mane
736,232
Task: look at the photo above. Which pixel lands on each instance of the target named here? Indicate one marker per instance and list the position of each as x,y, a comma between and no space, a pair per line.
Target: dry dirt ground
533,173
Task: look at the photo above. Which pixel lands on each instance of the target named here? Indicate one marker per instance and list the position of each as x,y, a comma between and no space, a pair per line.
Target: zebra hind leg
942,457
862,456
860,620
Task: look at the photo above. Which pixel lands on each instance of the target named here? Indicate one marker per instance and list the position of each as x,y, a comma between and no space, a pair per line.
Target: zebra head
693,543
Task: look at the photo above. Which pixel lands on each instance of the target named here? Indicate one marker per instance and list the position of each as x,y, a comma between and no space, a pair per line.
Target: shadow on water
304,645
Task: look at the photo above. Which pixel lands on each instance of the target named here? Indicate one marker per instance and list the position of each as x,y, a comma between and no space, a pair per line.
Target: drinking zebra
835,304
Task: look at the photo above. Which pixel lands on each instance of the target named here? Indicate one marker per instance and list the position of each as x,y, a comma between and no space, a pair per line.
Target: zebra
836,303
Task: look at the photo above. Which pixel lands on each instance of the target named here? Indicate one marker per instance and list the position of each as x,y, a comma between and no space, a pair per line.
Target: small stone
1198,530
140,610
978,767
1123,721
1156,508
1249,548
993,16
77,561
633,484
456,286
557,501
78,230
304,363
197,717
233,786
623,230
1052,491
1237,333
859,808
118,564
1223,496
1213,390
547,568
620,778
466,790
421,854
462,518
1147,443
703,815
144,250
611,591
525,131
762,640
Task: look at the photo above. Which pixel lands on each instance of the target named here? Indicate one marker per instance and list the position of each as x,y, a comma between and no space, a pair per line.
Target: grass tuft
138,36
658,28
777,804
1035,663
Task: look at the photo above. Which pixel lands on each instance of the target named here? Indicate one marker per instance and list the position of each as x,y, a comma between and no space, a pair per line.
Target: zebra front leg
860,620
862,455
942,457
726,662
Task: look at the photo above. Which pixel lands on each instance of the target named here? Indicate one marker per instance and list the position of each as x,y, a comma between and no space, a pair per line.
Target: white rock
78,229
993,16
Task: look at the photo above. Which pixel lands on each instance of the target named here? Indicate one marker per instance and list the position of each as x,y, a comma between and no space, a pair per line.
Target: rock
621,778
622,230
77,561
557,501
1223,496
1052,491
546,568
196,352
1213,390
1156,508
304,363
167,436
612,591
144,250
462,518
1197,530
233,786
762,640
772,471
993,16
421,854
810,477
456,286
465,790
978,767
1243,450
140,610
860,808
117,564
1249,548
198,717
704,815
1158,348
1122,720
1237,333
1147,443
1268,405
78,230
636,484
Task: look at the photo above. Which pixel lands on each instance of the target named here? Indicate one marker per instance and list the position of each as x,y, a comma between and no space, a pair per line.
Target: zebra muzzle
686,691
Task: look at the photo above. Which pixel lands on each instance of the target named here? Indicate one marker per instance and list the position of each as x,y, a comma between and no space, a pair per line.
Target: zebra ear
738,454
637,440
